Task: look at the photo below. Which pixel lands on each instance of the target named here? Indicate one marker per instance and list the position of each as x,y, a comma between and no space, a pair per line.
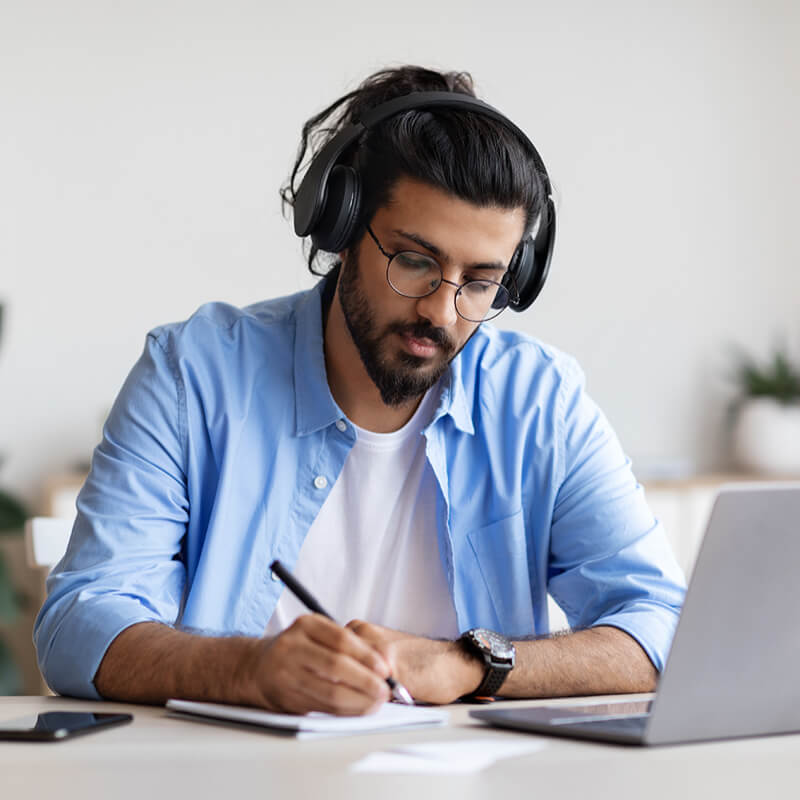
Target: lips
420,347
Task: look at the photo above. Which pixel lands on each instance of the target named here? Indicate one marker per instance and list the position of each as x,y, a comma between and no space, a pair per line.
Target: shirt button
320,481
273,576
341,425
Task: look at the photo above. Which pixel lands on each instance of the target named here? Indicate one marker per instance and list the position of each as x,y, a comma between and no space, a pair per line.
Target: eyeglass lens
417,275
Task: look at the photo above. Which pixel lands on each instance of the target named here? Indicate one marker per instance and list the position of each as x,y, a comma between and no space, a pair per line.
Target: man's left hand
433,670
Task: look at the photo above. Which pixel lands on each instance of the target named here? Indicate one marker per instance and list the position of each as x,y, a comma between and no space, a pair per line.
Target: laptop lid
732,670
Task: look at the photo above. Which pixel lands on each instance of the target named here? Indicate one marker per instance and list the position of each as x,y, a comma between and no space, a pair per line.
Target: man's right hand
316,665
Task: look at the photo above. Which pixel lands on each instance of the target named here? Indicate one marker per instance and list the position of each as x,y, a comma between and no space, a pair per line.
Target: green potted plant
12,520
766,433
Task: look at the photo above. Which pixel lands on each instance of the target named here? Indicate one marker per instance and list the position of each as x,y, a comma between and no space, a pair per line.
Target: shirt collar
315,407
453,401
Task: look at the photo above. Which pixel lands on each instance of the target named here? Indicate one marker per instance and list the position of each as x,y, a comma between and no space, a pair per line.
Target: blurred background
143,144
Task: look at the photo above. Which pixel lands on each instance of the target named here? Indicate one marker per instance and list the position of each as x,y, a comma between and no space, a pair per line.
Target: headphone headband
308,206
315,198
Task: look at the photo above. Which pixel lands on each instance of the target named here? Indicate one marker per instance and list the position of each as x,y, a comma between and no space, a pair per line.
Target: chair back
46,540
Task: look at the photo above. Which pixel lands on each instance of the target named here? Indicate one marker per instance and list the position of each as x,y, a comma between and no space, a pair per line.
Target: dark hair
467,154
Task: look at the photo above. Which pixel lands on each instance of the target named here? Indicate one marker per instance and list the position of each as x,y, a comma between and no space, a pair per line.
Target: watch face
494,643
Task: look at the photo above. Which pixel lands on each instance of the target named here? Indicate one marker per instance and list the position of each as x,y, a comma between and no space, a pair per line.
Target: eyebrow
436,251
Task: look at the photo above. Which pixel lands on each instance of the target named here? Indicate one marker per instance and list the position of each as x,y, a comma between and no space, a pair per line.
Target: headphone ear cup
339,217
531,263
521,280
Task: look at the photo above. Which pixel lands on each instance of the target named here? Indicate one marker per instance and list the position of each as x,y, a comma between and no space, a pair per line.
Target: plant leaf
12,513
10,682
8,596
778,378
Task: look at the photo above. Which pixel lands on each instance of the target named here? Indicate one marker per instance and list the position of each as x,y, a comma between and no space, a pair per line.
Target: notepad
390,716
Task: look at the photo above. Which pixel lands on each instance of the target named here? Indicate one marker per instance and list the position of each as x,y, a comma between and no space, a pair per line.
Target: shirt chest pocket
497,574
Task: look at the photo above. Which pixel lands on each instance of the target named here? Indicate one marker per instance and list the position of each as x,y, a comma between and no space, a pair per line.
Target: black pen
399,692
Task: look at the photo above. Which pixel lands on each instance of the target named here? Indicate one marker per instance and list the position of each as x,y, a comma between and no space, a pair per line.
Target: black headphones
328,202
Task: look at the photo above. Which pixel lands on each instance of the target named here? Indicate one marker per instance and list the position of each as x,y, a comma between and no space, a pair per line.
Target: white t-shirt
372,553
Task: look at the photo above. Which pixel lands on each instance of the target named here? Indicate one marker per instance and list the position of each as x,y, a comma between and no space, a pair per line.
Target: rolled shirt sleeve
123,562
610,561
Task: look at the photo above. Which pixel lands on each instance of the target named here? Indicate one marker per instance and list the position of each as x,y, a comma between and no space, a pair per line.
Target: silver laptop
735,659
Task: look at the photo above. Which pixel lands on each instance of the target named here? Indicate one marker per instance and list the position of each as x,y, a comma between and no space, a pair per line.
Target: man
425,474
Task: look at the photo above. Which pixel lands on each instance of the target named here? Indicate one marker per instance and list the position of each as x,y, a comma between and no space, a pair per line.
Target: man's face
405,344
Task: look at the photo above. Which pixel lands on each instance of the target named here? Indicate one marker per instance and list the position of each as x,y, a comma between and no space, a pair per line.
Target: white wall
142,145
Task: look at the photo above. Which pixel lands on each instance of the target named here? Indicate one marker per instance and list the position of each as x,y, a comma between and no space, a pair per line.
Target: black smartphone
53,726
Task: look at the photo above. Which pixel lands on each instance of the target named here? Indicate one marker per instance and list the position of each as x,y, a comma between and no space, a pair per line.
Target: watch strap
492,681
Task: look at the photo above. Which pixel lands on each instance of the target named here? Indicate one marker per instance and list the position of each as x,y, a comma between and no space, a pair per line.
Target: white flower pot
767,437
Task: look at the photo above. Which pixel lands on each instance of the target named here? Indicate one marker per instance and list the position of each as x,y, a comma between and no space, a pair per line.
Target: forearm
150,662
601,660
314,665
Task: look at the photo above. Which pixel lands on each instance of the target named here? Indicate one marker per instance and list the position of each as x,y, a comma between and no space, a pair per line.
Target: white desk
158,756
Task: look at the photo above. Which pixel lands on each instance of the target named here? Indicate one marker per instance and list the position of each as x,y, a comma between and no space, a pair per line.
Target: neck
351,386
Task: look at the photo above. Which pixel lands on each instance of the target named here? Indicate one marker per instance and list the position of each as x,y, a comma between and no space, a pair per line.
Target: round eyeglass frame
459,286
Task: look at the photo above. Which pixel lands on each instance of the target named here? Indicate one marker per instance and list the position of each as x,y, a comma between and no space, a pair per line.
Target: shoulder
223,326
511,362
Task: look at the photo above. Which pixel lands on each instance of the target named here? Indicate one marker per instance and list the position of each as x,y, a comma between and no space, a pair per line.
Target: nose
439,308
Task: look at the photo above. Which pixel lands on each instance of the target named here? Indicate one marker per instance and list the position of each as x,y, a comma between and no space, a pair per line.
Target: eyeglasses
416,275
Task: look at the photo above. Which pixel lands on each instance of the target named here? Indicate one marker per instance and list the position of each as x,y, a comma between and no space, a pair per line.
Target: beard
404,377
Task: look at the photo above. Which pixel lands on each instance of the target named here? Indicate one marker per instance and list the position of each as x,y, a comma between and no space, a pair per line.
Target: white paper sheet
448,757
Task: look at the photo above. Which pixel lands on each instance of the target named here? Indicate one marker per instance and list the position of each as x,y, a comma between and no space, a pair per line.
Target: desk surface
161,756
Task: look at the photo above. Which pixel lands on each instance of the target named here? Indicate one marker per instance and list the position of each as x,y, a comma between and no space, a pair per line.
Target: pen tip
400,693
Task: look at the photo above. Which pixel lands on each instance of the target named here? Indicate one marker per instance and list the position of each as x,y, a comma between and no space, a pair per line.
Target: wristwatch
496,651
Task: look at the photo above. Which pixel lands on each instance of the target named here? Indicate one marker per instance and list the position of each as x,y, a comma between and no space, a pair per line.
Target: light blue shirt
225,441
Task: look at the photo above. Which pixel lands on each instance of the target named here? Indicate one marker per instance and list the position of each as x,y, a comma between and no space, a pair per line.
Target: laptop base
622,730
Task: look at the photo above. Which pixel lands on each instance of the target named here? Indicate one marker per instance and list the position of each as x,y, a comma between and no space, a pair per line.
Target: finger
340,668
388,651
313,693
297,648
299,675
332,636
338,698
376,636
310,692
321,679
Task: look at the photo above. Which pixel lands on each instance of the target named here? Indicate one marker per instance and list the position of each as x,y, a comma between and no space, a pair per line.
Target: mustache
423,330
